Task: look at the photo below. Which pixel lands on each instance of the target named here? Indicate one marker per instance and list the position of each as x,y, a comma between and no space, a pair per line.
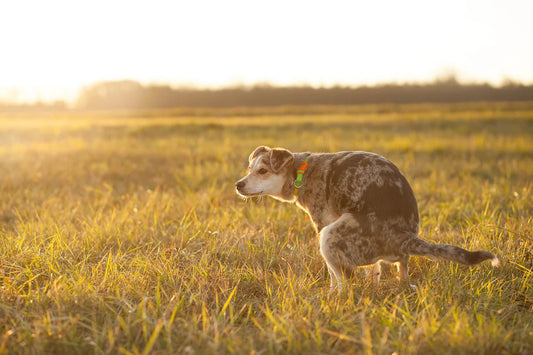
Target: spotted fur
361,205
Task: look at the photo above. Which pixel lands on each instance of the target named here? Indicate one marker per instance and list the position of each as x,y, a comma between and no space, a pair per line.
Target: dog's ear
280,158
257,151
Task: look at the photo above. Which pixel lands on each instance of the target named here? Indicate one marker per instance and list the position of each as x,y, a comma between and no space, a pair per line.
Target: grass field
120,232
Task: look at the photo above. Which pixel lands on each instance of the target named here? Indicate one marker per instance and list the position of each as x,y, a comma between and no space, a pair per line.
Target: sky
50,49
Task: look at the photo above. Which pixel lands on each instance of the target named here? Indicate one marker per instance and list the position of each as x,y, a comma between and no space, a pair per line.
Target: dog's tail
416,246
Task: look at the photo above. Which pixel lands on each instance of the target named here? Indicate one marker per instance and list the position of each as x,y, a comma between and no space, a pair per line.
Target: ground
120,232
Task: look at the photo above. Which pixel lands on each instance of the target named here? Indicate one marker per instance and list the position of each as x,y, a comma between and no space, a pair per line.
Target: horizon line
76,92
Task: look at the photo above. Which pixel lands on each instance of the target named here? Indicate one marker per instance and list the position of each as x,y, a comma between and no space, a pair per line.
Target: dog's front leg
333,264
334,281
341,247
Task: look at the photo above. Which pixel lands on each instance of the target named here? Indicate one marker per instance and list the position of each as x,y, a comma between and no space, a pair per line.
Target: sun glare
53,48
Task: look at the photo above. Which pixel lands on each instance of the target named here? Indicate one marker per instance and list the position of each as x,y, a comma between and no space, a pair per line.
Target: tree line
129,94
133,95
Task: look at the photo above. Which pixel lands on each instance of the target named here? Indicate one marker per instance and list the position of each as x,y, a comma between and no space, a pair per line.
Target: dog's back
367,186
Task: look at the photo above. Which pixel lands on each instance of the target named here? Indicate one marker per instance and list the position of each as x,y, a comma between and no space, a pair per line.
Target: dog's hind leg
403,271
374,273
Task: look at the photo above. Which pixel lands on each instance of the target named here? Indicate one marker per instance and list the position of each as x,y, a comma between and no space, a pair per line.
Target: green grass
120,232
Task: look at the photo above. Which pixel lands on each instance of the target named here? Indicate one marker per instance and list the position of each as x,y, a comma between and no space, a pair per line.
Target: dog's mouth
247,194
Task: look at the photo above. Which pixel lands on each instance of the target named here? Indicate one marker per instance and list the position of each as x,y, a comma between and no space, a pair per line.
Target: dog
360,204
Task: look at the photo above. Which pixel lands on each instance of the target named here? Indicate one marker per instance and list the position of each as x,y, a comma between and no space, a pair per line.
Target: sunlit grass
121,232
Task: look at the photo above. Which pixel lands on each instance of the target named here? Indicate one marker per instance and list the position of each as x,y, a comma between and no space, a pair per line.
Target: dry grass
120,232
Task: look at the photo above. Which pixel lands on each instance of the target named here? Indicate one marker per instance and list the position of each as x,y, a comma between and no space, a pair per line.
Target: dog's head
268,172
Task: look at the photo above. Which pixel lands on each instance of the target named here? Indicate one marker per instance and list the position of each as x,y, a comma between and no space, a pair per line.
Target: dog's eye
262,171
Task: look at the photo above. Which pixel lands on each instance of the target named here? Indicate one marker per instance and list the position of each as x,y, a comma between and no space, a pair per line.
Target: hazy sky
49,49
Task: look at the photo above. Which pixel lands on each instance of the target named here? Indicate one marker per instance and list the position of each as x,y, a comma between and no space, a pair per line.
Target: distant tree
111,95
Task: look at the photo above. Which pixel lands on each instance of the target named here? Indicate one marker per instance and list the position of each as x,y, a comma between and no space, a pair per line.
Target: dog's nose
240,184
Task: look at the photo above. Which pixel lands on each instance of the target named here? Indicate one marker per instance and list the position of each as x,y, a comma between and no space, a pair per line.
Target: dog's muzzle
239,185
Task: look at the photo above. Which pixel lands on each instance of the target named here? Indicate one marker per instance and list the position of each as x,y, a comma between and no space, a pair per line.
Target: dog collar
299,176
